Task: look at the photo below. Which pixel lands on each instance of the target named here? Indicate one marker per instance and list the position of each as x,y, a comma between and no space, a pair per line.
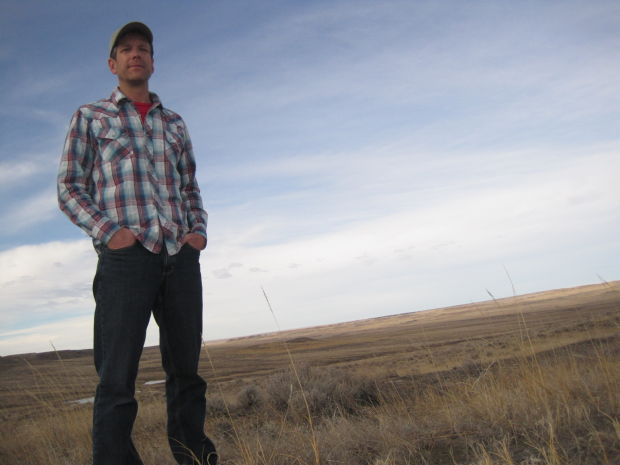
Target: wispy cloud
21,169
15,172
31,211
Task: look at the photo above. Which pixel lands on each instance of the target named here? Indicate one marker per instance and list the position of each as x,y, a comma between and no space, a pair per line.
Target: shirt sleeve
75,184
196,214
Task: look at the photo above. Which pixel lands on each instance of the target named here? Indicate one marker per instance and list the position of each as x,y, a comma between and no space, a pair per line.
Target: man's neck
135,93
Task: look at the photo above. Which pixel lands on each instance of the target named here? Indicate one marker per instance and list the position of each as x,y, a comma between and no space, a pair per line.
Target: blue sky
357,158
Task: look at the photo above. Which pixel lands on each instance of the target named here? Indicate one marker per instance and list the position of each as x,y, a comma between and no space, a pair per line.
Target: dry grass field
527,380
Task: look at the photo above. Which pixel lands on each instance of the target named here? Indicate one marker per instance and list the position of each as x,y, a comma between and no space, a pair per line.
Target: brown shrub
328,392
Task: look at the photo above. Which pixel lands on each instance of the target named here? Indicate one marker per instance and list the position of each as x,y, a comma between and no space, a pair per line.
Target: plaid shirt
117,171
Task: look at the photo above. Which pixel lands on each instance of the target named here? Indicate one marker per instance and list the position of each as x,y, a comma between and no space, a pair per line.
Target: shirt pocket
113,141
173,145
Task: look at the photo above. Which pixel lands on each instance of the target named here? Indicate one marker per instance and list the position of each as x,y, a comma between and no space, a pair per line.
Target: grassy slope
533,379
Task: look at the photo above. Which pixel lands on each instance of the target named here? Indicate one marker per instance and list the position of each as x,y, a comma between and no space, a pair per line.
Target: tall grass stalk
314,442
241,445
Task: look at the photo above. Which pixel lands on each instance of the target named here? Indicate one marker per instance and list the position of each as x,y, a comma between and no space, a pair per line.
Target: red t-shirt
143,108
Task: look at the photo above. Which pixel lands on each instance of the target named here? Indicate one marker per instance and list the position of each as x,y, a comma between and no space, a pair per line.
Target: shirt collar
117,97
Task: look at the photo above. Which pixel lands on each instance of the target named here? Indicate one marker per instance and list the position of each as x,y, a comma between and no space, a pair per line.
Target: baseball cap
136,27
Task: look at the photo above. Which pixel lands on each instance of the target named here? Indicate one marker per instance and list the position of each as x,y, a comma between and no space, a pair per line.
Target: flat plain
530,379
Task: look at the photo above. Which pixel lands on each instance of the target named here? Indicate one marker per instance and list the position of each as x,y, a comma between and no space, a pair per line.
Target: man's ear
112,65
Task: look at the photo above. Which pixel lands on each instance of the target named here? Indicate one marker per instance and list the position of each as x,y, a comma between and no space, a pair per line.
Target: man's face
132,61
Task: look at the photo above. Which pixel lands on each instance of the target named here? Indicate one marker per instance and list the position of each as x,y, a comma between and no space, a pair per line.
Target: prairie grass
558,410
515,382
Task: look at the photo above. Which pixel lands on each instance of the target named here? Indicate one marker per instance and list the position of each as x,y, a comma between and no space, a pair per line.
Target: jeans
129,284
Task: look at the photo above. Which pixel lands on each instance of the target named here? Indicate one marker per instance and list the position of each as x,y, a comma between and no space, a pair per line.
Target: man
127,178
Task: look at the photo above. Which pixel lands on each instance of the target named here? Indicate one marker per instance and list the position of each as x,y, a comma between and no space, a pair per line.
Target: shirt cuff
200,229
104,230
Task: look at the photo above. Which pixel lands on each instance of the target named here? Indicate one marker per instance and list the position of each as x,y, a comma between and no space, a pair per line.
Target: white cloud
14,173
45,281
361,188
351,270
70,333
